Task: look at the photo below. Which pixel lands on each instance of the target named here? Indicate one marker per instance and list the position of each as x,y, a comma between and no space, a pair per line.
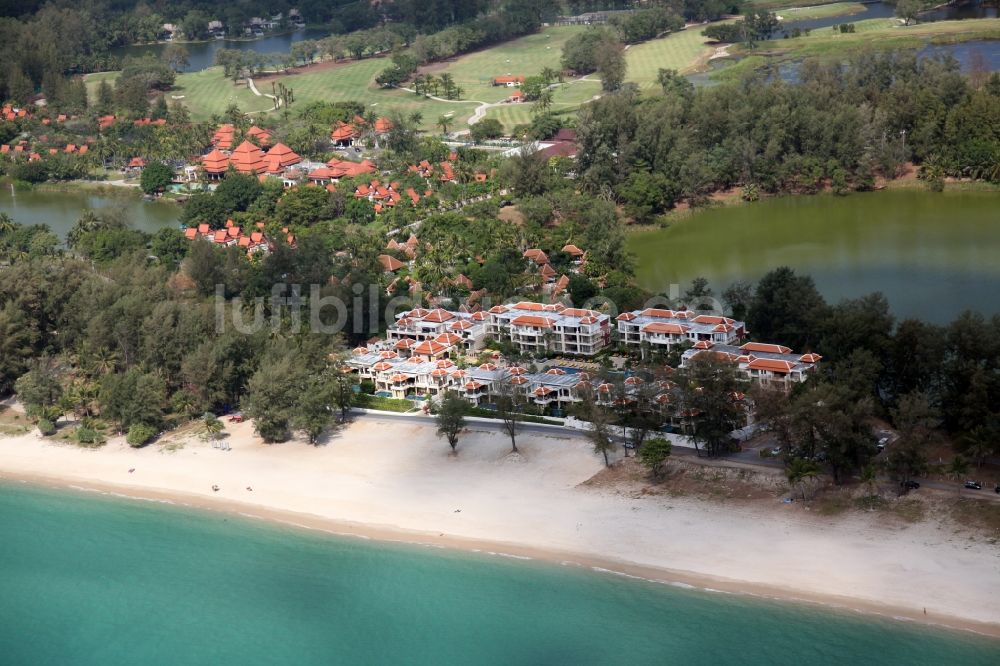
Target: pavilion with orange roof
248,158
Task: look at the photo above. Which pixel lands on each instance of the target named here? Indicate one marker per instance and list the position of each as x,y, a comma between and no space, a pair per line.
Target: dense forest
126,307
841,127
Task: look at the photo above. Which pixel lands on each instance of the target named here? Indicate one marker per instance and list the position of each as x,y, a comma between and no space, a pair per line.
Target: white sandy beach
398,480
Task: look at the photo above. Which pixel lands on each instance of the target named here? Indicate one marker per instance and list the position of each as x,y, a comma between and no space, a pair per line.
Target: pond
61,210
201,55
876,10
871,10
985,52
932,255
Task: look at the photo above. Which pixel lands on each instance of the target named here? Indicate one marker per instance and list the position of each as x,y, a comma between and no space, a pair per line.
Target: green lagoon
87,579
933,255
61,210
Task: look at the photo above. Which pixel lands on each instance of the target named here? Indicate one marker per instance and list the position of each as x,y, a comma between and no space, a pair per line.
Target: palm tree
105,361
979,444
550,75
444,122
543,102
869,476
211,426
957,469
88,222
451,91
800,471
7,224
432,85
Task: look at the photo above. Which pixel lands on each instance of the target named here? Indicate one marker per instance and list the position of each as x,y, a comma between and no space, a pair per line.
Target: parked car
973,485
776,451
236,418
909,484
997,489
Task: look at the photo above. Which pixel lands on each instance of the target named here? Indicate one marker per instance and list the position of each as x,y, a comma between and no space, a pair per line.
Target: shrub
46,427
139,435
89,436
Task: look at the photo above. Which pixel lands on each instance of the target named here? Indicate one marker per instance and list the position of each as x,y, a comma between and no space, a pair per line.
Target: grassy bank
877,34
813,12
774,5
684,51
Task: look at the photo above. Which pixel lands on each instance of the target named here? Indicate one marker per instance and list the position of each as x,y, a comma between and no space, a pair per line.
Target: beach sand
392,480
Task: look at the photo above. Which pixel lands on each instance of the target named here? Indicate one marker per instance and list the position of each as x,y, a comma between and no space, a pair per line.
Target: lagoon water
61,210
201,55
87,579
932,255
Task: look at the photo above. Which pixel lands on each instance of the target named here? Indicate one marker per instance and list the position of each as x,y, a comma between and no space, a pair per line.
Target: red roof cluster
248,158
507,80
232,235
348,169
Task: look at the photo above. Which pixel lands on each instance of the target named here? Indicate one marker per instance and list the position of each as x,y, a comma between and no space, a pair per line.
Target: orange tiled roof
248,158
285,155
263,136
664,328
532,320
389,263
771,365
215,162
766,348
343,132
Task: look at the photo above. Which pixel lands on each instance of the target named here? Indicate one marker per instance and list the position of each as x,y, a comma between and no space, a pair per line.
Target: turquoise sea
89,579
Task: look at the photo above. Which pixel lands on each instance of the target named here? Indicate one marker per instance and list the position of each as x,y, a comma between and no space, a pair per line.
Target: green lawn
208,92
682,51
565,99
526,56
774,5
879,33
204,93
820,11
355,81
871,34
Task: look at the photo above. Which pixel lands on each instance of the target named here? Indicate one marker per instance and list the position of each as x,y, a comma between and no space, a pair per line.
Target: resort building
460,332
233,235
508,80
769,365
664,329
542,329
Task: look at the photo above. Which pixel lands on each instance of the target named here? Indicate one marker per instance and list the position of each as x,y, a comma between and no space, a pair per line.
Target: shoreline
732,198
551,502
393,534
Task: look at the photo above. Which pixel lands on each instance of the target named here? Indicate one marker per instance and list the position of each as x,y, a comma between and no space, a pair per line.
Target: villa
769,365
459,332
232,235
664,329
550,328
508,80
